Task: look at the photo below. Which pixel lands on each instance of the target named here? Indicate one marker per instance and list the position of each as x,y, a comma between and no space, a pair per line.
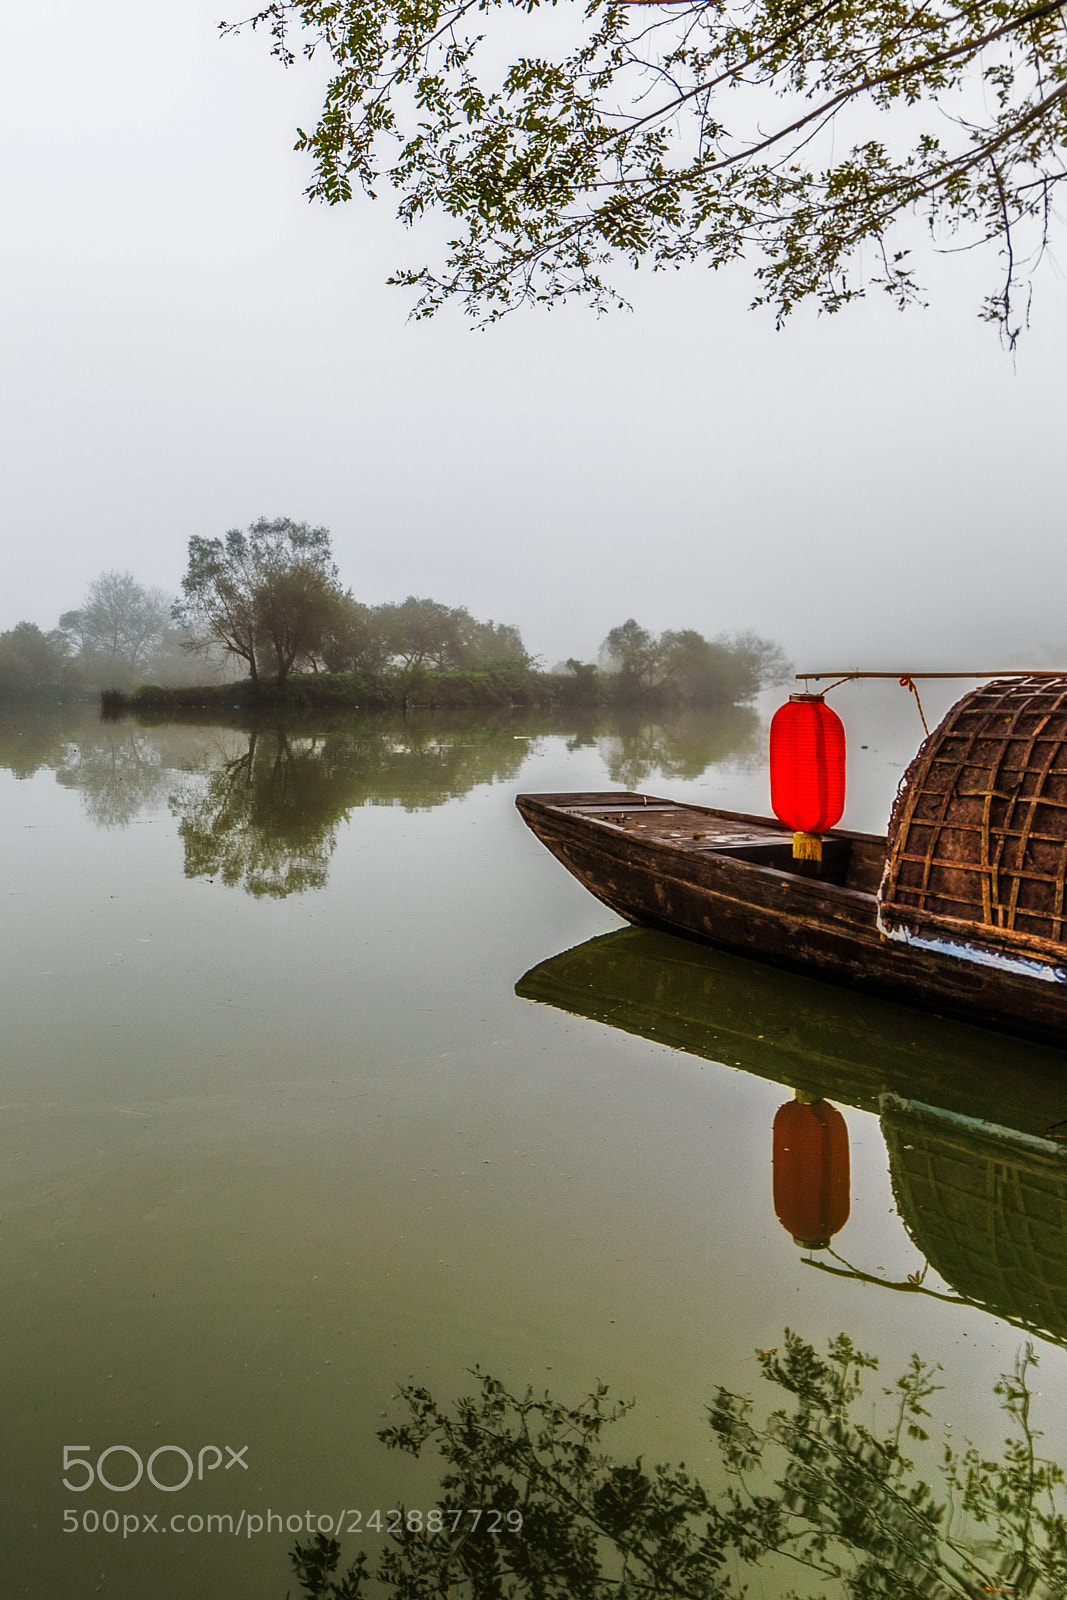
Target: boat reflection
974,1123
986,1206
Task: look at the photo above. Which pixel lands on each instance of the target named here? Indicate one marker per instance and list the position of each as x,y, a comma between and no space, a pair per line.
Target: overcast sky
189,344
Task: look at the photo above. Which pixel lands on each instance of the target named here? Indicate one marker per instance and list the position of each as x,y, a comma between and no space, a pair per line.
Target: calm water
280,1132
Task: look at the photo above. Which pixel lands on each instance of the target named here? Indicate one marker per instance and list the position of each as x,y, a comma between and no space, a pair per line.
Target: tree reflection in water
29,743
812,1496
119,772
684,746
260,806
267,819
119,768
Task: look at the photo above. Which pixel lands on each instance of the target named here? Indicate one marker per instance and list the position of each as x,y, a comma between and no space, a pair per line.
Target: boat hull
723,877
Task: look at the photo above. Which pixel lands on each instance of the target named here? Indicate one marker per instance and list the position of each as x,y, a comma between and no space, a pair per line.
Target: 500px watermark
456,1520
78,1456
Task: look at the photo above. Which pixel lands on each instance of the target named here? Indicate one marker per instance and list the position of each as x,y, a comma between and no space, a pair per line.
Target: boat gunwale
565,805
808,889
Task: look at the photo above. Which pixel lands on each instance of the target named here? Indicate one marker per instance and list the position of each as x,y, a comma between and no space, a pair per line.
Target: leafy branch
789,132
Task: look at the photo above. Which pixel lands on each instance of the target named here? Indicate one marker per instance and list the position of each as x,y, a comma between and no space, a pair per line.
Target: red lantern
811,1172
807,770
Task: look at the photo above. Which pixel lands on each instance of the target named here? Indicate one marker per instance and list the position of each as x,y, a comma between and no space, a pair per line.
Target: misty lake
321,1075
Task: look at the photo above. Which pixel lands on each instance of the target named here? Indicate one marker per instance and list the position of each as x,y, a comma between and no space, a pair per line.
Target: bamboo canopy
978,836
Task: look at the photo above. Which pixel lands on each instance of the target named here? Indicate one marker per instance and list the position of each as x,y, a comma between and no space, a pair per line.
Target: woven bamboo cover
978,835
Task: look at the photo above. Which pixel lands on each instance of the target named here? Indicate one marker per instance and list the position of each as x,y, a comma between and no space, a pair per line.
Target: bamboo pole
1007,672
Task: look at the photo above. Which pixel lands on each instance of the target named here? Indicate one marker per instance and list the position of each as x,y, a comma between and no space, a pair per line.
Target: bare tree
118,627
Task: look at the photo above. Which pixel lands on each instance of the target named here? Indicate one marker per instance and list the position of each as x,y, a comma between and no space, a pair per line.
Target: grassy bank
311,689
489,689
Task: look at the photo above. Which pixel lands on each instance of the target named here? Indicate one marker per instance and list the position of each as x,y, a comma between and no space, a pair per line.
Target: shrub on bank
507,684
334,689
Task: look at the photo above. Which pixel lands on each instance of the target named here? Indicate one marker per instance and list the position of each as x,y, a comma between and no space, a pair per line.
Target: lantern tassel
807,847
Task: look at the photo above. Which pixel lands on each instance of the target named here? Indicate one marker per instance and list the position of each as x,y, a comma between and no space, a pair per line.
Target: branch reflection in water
810,1495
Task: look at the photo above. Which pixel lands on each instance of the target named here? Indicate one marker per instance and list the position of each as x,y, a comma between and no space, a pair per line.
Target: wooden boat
961,908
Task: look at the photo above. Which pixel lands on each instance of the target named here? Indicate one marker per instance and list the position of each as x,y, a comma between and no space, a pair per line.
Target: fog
188,344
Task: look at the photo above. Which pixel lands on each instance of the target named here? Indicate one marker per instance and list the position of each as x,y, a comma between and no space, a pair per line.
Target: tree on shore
634,657
118,628
670,131
219,605
35,665
424,633
353,640
682,664
419,633
763,661
268,595
297,605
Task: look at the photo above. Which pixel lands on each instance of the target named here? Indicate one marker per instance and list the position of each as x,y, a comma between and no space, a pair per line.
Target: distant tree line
266,604
120,635
729,669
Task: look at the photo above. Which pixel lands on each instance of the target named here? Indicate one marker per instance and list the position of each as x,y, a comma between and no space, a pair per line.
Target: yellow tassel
807,847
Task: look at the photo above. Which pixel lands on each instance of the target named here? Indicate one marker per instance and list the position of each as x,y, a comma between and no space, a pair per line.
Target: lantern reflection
811,1171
